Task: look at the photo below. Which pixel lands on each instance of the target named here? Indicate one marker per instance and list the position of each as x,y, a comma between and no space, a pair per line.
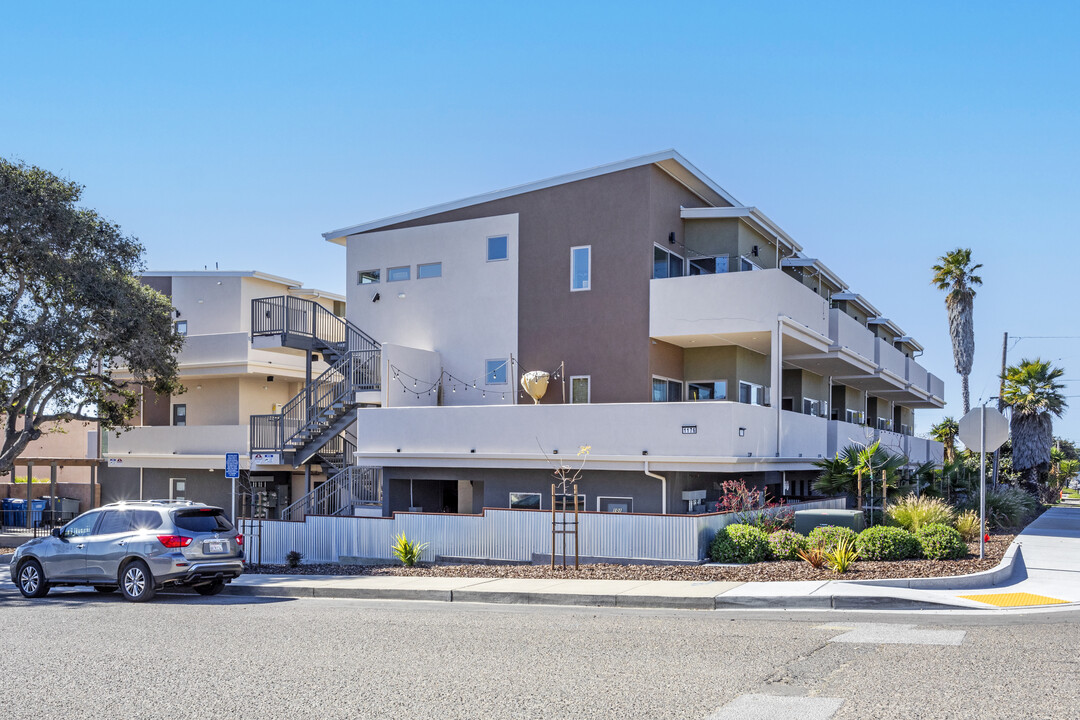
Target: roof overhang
669,161
753,217
887,324
868,309
817,266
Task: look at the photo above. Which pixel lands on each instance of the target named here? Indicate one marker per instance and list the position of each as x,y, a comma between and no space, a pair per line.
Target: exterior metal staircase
313,426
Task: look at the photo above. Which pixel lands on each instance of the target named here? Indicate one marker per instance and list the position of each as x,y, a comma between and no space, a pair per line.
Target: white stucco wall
468,315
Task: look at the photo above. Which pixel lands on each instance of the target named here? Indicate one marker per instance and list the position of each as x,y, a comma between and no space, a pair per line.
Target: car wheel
136,582
31,580
105,588
210,588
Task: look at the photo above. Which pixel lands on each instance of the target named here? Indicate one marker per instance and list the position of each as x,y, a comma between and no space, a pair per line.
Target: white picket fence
495,535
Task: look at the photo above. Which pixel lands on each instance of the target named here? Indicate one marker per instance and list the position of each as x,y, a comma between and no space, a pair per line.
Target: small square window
498,248
397,274
367,277
181,327
495,372
430,270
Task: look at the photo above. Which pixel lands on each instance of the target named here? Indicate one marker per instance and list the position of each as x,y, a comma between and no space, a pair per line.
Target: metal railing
319,404
286,315
338,495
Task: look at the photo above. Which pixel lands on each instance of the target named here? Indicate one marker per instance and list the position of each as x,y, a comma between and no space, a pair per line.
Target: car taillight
239,539
174,541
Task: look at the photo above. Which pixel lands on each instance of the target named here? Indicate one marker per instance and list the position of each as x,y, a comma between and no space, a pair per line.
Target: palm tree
854,468
945,432
955,273
1033,393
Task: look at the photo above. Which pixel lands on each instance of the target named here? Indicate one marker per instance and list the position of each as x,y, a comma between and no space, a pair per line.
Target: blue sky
879,137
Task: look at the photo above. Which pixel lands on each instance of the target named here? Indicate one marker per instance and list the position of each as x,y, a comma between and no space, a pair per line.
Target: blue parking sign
232,465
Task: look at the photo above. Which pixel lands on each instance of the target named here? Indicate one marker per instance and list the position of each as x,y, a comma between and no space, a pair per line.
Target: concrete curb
1010,570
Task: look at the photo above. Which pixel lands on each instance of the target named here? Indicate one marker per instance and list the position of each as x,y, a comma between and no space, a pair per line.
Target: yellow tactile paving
1013,599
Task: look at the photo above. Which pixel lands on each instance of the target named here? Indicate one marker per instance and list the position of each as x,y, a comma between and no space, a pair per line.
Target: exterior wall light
742,432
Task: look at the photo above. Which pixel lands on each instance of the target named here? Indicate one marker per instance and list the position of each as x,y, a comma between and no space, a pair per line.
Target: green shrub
293,558
407,552
941,542
829,536
786,544
886,543
1007,507
739,544
911,513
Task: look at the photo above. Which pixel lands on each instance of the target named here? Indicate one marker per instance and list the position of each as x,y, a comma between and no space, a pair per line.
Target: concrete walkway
1041,568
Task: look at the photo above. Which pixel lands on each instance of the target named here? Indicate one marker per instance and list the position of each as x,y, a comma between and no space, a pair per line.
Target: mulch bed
765,571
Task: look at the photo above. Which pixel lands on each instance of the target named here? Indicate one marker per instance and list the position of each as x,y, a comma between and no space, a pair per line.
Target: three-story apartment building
688,340
178,444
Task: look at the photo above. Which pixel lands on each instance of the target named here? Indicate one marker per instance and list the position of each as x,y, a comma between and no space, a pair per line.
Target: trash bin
37,511
68,509
18,512
7,513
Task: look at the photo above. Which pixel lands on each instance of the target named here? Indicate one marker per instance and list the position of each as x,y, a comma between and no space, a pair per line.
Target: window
181,327
579,389
666,264
580,267
753,394
430,270
747,265
177,489
145,519
856,417
883,424
207,520
666,390
397,274
179,415
367,277
715,390
565,503
81,526
524,501
815,407
498,248
615,504
114,521
495,372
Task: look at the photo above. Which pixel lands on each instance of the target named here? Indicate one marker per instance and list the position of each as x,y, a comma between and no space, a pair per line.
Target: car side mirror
56,532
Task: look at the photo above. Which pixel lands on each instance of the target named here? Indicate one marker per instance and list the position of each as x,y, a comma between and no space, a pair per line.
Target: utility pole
1001,402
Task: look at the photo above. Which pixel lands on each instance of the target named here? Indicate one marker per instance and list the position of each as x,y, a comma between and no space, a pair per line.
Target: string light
446,379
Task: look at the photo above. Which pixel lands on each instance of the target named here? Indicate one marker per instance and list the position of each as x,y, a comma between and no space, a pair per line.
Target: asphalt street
78,654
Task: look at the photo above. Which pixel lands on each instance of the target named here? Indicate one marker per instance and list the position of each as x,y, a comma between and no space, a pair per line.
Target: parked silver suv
138,547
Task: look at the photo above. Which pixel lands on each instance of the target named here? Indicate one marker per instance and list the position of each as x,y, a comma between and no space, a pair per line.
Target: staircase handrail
288,315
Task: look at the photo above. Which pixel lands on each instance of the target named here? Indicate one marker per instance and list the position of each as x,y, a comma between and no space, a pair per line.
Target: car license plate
217,546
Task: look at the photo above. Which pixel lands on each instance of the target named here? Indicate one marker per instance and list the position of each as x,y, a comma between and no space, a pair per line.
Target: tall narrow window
498,248
179,415
580,268
665,390
579,389
181,327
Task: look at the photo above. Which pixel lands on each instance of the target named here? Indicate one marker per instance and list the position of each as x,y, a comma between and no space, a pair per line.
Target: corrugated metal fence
506,535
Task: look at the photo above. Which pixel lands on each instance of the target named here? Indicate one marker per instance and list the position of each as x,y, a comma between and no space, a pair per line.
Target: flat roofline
293,285
697,182
816,265
887,323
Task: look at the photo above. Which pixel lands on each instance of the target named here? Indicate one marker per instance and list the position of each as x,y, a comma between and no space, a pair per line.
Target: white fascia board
223,273
889,325
859,300
908,340
338,236
750,215
816,265
315,293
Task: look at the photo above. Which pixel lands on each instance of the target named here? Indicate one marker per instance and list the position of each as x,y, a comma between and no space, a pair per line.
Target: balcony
739,307
697,436
191,446
847,332
230,354
890,360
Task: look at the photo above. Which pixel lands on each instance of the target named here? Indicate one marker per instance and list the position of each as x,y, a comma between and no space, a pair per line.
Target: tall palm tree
945,432
955,273
1033,392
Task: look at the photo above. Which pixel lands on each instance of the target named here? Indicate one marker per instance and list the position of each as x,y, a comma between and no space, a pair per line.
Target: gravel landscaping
763,571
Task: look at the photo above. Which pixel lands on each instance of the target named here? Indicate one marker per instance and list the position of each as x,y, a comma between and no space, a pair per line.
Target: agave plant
405,551
843,556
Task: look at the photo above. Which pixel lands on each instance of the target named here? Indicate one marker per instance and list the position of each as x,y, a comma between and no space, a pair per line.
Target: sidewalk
1041,568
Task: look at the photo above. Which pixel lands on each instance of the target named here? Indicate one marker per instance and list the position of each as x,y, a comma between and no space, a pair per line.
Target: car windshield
208,520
